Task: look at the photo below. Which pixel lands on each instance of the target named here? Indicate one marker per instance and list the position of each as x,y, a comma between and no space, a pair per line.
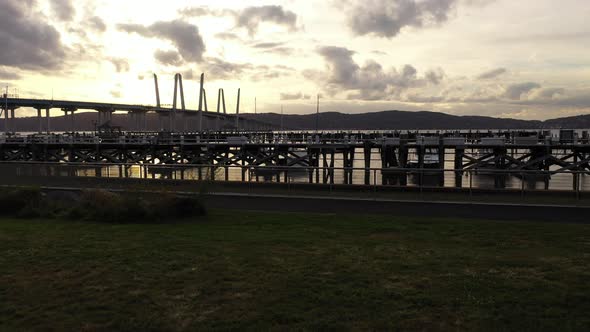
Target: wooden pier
397,155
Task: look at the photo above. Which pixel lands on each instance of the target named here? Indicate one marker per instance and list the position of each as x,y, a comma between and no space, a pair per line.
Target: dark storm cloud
294,96
183,35
386,18
28,42
516,91
169,58
491,74
63,10
369,81
249,18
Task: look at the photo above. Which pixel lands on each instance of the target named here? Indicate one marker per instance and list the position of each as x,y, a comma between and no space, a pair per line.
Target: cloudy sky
523,59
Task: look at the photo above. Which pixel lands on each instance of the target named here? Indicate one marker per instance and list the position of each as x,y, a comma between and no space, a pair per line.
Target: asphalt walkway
422,209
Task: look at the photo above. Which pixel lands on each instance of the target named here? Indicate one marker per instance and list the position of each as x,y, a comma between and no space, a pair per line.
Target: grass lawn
257,271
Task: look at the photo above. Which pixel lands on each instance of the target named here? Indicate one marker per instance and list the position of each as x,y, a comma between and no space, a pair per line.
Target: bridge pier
40,120
104,116
71,115
12,124
48,120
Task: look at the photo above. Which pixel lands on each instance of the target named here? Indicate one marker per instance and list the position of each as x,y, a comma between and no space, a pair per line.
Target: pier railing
285,179
224,139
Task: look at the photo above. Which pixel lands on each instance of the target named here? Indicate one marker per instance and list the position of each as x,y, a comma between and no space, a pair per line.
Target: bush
24,202
178,207
99,205
102,205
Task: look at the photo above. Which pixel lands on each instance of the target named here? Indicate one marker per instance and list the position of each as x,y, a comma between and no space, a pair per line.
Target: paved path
345,205
463,210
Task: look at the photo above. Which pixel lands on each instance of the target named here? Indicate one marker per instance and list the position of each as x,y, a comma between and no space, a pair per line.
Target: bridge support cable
238,112
157,91
202,82
218,110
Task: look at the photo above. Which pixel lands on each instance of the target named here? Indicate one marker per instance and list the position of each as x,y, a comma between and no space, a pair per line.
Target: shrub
25,202
99,205
177,207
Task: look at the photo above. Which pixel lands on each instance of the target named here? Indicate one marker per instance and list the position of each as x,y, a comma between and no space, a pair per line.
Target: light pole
317,114
6,111
281,117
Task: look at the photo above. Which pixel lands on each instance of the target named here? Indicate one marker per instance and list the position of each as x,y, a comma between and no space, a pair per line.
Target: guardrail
418,178
242,140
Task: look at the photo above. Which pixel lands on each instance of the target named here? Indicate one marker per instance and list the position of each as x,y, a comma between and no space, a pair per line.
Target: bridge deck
13,103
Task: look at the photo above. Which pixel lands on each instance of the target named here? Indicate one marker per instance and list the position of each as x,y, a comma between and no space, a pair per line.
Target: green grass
258,271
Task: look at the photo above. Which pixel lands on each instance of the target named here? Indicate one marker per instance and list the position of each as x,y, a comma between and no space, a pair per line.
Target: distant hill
340,121
413,120
573,122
